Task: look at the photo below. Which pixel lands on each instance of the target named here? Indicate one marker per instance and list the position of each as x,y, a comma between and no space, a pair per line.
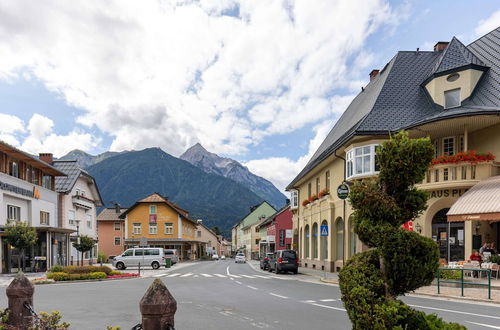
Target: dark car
264,261
284,261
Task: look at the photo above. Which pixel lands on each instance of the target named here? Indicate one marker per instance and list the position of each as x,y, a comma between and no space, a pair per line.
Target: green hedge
86,269
451,274
62,276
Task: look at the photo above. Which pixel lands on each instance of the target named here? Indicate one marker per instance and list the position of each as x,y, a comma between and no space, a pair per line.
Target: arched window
353,237
301,242
339,234
315,240
442,231
324,243
306,241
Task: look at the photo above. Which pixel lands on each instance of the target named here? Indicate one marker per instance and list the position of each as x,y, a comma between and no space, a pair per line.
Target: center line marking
277,295
251,287
173,275
458,312
330,307
327,300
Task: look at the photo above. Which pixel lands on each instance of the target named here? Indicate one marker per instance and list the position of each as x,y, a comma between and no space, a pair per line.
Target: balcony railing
82,202
461,174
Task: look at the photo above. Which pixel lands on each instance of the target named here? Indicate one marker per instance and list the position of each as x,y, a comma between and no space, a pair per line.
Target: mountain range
218,190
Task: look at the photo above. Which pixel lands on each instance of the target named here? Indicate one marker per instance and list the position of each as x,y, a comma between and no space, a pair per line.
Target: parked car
222,257
154,257
284,261
264,261
172,254
215,256
240,257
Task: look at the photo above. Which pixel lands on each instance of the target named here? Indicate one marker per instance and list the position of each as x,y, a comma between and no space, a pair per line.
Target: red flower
471,156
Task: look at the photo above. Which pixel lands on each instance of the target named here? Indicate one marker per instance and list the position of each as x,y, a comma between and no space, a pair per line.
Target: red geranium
471,156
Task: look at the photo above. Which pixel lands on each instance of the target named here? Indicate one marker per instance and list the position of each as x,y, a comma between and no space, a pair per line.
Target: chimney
374,73
47,157
440,46
117,208
199,221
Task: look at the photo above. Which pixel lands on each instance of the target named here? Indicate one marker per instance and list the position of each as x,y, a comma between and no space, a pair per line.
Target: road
228,296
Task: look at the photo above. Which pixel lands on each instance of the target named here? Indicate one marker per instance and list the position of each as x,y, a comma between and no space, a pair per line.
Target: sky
259,81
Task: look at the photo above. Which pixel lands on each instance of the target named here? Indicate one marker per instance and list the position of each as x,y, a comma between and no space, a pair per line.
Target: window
118,226
153,229
47,181
152,209
13,213
309,190
14,168
89,221
327,180
139,252
449,145
71,217
452,98
362,161
118,240
460,143
34,176
169,228
44,218
137,228
294,194
152,252
317,186
199,233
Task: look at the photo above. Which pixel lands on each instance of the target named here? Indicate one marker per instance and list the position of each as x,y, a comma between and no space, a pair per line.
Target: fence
157,306
461,281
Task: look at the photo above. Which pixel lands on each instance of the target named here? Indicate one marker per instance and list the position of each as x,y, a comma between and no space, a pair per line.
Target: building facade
449,95
79,198
246,238
157,222
276,232
210,241
27,193
111,231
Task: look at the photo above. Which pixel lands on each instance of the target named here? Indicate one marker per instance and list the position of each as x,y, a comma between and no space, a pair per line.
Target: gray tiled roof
454,56
110,214
72,170
396,100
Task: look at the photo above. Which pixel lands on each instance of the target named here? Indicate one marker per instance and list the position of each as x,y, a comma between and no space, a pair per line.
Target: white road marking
220,275
207,275
159,275
282,278
277,295
327,300
251,287
247,276
238,282
227,271
186,275
330,307
266,277
195,276
232,279
235,276
309,301
458,312
173,275
485,325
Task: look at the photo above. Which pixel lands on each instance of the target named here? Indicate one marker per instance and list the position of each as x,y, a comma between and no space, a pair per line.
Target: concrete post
158,307
19,292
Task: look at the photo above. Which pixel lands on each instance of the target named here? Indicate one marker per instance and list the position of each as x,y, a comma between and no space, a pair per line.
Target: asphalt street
228,296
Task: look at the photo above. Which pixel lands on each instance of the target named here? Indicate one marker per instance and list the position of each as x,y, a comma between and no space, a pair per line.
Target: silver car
154,257
240,257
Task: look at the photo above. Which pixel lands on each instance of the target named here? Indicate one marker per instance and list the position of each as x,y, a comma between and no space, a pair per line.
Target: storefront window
339,234
306,241
315,240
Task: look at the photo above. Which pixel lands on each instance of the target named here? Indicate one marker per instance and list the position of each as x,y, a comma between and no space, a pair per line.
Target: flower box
470,156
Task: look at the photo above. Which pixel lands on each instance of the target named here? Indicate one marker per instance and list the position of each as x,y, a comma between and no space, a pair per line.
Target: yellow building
451,95
161,223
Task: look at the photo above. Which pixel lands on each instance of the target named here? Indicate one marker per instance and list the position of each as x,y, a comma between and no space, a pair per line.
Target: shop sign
408,225
18,190
343,191
448,193
289,233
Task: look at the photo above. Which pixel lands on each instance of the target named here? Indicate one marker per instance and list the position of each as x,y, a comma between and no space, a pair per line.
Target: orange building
111,231
157,222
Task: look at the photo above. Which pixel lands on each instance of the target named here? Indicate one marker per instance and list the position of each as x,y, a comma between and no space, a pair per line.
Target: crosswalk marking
260,276
247,276
186,275
173,275
220,275
207,275
235,276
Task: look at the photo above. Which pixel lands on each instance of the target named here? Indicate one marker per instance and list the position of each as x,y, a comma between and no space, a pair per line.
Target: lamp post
78,241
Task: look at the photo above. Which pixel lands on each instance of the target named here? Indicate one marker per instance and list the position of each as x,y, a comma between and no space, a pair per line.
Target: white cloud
40,126
488,24
10,124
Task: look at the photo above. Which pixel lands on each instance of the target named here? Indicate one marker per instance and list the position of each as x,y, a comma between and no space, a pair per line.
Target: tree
86,244
399,261
217,230
21,236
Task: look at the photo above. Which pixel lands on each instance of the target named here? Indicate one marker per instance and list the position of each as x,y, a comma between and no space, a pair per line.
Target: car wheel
120,265
295,271
155,265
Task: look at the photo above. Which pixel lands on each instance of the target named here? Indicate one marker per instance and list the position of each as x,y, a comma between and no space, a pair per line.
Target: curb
490,301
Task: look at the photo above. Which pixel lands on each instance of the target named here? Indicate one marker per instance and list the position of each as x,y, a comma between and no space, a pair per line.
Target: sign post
143,242
323,232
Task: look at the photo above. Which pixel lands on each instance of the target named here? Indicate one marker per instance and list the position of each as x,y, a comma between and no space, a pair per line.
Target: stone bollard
19,292
158,307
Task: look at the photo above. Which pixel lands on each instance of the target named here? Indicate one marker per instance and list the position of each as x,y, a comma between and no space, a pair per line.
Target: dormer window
452,98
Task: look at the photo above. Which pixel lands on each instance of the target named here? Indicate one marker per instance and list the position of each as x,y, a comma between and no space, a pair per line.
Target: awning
479,203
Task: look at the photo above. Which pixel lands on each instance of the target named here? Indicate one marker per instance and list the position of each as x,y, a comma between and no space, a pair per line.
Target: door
452,242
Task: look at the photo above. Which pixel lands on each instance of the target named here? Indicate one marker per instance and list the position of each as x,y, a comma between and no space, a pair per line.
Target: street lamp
78,241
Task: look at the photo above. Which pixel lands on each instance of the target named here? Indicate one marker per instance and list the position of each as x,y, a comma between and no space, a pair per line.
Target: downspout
345,220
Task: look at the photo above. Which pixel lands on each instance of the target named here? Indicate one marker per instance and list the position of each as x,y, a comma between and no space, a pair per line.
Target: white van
154,257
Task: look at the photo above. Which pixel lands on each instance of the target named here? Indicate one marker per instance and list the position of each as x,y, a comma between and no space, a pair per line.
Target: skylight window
452,98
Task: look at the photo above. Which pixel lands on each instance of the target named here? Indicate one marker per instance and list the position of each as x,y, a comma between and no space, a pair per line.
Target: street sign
289,233
143,241
324,230
343,191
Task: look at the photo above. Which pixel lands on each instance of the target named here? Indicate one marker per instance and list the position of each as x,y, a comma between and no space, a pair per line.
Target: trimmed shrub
399,261
102,257
61,276
451,274
115,272
56,269
87,269
58,276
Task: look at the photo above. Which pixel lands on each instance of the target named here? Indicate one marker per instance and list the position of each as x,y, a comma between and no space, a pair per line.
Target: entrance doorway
450,236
